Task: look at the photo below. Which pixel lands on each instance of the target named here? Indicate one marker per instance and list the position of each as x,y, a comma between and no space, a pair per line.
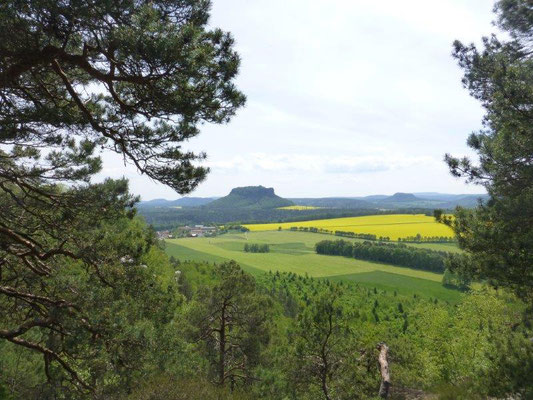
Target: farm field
394,226
294,252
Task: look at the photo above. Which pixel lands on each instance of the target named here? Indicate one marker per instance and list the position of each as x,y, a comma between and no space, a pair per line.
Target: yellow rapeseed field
394,226
298,208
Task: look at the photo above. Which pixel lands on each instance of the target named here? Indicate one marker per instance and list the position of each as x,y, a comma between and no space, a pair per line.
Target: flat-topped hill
256,197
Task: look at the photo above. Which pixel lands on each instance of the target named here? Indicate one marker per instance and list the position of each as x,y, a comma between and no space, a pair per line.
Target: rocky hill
251,197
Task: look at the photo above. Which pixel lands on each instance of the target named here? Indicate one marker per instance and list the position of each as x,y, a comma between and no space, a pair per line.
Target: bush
171,388
256,248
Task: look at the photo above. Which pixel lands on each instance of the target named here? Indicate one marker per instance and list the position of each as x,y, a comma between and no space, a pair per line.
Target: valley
294,252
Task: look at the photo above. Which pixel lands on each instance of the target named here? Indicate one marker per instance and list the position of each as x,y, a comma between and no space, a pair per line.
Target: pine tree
498,235
132,77
230,319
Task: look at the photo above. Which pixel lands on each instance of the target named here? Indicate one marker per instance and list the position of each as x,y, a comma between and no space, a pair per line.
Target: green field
394,226
294,252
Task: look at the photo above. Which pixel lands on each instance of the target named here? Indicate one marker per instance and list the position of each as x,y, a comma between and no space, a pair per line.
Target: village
188,231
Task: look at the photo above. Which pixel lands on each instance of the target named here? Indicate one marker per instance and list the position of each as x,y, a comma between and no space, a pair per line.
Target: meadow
294,252
394,226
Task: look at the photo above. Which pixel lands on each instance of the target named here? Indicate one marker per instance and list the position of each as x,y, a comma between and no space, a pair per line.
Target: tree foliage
230,319
498,235
256,248
323,345
396,254
92,308
130,76
78,77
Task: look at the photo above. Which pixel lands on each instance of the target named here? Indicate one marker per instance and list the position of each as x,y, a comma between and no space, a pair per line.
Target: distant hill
333,202
438,196
400,198
155,203
251,197
259,204
183,202
454,200
431,200
467,201
194,201
373,197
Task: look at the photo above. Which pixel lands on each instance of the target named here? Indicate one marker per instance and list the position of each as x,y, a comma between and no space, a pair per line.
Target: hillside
250,197
183,202
425,200
333,202
401,198
295,252
257,204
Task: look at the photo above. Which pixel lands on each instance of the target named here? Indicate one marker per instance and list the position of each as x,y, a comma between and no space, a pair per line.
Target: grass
185,253
402,285
294,252
394,226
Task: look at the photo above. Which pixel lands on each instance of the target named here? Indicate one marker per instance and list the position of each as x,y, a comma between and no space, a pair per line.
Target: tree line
369,236
395,254
418,238
312,229
256,248
170,218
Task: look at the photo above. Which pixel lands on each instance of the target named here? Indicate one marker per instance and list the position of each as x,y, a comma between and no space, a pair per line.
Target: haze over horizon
344,100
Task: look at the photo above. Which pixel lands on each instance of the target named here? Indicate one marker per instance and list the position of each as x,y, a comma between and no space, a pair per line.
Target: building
164,235
197,230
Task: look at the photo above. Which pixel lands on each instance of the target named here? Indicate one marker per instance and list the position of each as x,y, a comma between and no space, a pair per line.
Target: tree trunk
384,370
325,389
222,348
324,357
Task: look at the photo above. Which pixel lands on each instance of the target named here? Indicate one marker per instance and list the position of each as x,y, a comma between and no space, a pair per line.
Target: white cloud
345,97
307,163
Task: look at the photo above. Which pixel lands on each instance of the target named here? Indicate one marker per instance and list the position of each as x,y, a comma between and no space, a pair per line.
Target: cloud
306,163
344,98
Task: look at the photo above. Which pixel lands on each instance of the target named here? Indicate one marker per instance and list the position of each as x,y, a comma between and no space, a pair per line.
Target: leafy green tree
170,388
77,77
95,327
457,279
322,346
230,321
133,77
498,235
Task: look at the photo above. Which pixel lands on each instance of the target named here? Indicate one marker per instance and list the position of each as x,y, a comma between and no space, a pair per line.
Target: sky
344,98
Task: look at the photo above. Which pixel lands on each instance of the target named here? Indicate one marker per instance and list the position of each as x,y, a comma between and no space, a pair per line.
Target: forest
217,332
396,254
91,305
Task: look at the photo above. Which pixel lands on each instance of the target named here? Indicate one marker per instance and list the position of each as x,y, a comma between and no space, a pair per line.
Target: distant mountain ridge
333,202
260,197
183,202
255,197
400,198
258,204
